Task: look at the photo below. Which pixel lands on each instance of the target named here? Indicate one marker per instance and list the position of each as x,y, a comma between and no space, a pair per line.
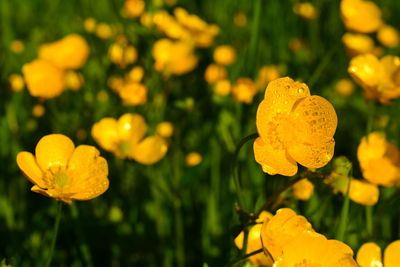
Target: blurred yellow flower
115,83
303,189
388,36
71,52
17,46
43,79
265,75
361,16
122,54
90,25
244,90
165,129
313,249
254,241
65,172
146,19
356,43
16,82
296,44
370,255
125,138
293,127
306,10
215,73
344,87
222,87
135,74
38,110
133,94
133,8
104,31
193,159
224,55
379,160
73,80
240,19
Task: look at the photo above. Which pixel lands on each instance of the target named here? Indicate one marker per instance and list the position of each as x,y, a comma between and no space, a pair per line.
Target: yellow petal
131,127
363,193
366,70
273,161
54,150
27,163
105,133
369,255
391,256
88,172
150,150
315,155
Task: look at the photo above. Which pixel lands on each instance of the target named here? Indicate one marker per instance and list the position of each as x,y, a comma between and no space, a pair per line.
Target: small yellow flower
222,87
344,87
293,127
90,25
43,79
303,189
16,82
370,255
224,55
296,44
388,36
104,31
244,90
38,110
115,83
65,172
306,10
379,160
73,80
146,19
254,241
240,19
165,129
193,159
215,73
133,8
133,94
125,138
122,55
361,16
357,43
71,52
17,46
135,74
265,75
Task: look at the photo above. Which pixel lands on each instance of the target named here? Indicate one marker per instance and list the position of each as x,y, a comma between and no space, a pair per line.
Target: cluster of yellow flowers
53,70
283,236
370,254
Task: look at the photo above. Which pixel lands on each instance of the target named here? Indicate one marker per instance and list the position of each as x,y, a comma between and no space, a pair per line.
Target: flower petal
150,150
54,150
366,70
273,161
312,155
369,254
391,256
27,163
131,127
105,133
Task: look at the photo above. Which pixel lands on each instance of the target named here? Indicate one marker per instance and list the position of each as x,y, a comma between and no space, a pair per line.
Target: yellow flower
122,55
17,46
90,25
244,90
133,8
293,127
133,94
357,43
361,16
303,189
16,82
71,52
73,80
313,249
104,31
38,110
370,255
265,75
43,79
124,138
65,172
222,87
254,241
165,129
306,10
240,19
193,159
379,160
388,36
215,73
281,229
224,55
135,74
344,87
115,83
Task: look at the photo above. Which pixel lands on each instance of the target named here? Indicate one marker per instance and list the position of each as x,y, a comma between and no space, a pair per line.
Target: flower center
61,179
124,148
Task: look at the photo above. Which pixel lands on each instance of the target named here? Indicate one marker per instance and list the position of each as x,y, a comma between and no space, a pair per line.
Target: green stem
371,117
344,214
55,233
320,68
369,219
242,258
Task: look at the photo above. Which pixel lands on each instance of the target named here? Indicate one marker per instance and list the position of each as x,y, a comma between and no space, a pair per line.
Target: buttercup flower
90,25
73,80
357,43
388,36
214,73
104,31
344,87
306,10
135,74
224,55
133,94
222,87
293,127
265,75
43,79
38,110
254,241
379,160
133,8
303,189
71,52
361,16
65,172
370,255
17,46
193,159
122,54
165,129
125,138
244,90
16,82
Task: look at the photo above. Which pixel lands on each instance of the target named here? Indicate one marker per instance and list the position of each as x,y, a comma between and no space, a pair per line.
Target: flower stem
344,214
242,258
55,233
369,219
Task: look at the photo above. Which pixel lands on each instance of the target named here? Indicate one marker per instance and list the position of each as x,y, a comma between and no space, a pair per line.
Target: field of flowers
200,133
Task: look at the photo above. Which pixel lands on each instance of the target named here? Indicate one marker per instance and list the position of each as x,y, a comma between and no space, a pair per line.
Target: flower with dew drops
65,172
125,138
293,127
370,255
